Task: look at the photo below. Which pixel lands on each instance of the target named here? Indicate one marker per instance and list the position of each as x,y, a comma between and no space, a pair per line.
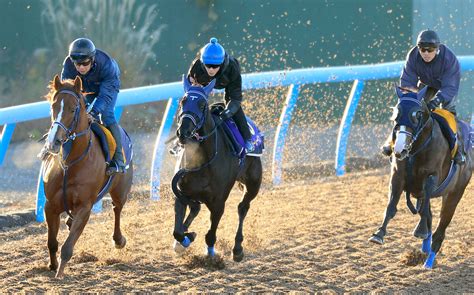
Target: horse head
410,116
67,102
194,110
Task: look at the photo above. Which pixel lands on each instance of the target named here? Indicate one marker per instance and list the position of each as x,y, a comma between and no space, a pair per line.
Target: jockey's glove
434,103
225,114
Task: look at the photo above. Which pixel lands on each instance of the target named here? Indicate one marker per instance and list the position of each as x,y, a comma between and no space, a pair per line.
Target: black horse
423,167
208,169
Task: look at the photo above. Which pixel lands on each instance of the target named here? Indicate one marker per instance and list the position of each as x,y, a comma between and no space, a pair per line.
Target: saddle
107,142
454,130
235,139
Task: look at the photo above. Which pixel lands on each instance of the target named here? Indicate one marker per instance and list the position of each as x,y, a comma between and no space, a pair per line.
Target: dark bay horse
74,176
423,168
207,171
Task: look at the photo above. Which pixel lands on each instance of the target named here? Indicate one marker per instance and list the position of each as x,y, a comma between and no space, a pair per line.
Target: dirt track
310,235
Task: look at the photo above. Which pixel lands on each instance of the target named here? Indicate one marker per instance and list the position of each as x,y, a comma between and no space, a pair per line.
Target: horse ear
56,82
186,83
78,84
399,91
421,94
209,87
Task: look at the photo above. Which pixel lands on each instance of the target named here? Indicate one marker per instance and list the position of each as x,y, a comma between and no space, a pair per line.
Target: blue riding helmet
212,53
81,49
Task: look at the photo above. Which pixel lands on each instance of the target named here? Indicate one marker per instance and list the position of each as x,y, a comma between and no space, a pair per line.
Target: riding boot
117,164
459,157
241,122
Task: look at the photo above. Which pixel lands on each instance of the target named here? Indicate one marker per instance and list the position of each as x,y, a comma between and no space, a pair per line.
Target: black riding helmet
428,38
81,49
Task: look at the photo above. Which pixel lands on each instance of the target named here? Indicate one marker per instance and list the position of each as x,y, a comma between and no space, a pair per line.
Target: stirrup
114,168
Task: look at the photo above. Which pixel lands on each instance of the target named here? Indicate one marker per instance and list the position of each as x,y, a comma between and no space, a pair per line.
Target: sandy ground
308,234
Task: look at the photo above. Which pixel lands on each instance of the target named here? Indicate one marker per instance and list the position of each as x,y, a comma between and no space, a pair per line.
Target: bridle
70,134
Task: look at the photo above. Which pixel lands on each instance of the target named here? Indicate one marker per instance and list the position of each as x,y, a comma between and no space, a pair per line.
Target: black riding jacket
228,77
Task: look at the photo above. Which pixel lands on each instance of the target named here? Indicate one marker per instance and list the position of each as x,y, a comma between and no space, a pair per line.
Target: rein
70,137
409,170
183,171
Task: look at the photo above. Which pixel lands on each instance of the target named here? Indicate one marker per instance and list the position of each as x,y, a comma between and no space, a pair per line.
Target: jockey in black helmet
100,76
433,64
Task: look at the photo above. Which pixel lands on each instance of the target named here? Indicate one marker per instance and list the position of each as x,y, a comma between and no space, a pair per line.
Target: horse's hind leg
448,208
395,190
119,196
252,186
53,220
78,224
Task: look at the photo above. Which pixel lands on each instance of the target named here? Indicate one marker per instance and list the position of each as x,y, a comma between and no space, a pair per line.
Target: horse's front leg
423,229
395,190
216,214
78,224
182,239
53,220
448,208
194,209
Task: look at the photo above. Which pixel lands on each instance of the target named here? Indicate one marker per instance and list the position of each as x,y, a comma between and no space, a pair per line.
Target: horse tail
177,192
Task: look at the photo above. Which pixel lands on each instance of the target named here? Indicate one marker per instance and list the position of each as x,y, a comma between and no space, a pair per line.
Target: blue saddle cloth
127,146
236,139
467,134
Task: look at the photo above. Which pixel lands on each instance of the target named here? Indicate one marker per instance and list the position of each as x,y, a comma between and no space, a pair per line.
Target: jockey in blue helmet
213,62
431,63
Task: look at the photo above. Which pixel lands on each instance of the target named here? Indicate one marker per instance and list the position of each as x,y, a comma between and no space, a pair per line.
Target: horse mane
56,84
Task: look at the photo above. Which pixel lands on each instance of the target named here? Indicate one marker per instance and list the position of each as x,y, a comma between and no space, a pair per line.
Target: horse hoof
180,248
53,267
376,239
121,244
238,256
421,235
211,251
430,260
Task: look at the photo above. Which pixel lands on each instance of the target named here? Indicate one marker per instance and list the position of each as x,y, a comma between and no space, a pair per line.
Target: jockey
213,62
432,64
100,76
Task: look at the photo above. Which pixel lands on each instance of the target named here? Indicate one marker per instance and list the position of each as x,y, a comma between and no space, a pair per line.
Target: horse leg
78,224
119,196
194,211
395,190
423,229
216,214
448,208
53,221
251,191
182,241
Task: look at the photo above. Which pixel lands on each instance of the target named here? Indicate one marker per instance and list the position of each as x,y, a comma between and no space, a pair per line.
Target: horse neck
425,135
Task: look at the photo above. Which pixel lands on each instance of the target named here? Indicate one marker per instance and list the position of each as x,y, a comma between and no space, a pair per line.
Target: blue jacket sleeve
68,71
450,79
408,77
109,86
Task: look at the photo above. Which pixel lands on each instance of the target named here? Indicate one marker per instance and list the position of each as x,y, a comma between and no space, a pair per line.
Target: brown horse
74,176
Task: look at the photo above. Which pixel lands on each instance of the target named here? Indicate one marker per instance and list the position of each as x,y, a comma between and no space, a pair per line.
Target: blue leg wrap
426,245
430,260
211,251
186,242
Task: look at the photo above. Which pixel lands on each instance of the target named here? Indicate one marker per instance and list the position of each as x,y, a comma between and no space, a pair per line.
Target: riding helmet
428,38
81,49
212,53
